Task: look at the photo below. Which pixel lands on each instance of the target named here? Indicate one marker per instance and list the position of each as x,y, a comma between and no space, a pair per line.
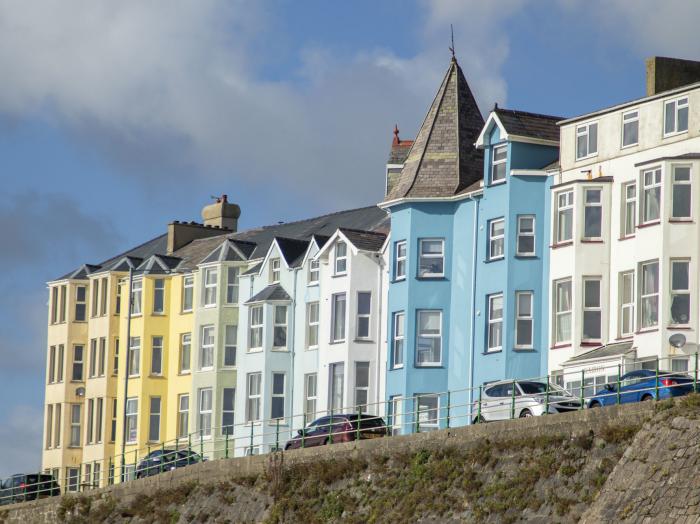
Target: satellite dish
677,340
80,392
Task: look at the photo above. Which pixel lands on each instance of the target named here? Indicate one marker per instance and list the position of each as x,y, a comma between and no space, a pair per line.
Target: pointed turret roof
443,160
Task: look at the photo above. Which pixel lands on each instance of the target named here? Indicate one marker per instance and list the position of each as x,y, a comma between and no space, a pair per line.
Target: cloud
20,435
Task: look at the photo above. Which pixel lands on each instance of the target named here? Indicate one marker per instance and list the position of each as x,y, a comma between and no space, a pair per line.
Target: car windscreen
540,388
371,422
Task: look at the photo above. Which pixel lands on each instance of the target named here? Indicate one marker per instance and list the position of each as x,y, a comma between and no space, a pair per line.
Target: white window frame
592,309
627,309
205,411
419,335
428,419
102,353
314,272
521,317
341,335
275,270
677,104
276,395
253,394
255,327
206,347
159,290
187,293
157,344
183,415
675,183
648,296
629,210
340,259
132,420
92,368
232,284
590,206
565,207
496,163
154,418
497,239
584,130
230,345
629,118
310,395
363,316
95,300
279,325
336,386
75,425
312,324
136,297
400,260
134,356
78,363
398,344
656,182
228,412
560,314
185,342
679,291
360,389
210,279
494,322
523,233
428,256
80,304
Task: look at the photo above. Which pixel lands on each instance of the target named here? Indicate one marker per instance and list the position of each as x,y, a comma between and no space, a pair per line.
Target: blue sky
116,118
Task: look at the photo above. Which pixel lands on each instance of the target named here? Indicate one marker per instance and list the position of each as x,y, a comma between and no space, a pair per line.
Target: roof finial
452,39
397,140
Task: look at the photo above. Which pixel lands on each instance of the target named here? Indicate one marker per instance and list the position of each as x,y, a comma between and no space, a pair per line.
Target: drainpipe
292,352
126,353
472,354
380,294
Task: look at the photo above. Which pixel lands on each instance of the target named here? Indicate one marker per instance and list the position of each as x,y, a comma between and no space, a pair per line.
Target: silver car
530,399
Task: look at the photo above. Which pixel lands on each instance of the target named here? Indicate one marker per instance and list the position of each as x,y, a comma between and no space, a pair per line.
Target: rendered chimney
222,214
665,73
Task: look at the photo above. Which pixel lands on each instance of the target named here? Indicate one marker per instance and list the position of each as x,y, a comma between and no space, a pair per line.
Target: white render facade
625,240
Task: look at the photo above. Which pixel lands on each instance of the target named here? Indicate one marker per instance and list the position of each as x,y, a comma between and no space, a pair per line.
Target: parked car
500,402
640,385
23,487
343,428
160,460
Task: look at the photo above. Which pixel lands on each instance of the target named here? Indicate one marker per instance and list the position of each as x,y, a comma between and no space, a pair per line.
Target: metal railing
398,415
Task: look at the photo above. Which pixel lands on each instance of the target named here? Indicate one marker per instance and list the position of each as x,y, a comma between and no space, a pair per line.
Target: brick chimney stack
222,214
665,73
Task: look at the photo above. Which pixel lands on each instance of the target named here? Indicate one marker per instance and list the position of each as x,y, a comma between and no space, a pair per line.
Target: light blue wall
462,345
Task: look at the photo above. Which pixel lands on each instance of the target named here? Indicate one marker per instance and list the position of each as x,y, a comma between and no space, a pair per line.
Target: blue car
640,385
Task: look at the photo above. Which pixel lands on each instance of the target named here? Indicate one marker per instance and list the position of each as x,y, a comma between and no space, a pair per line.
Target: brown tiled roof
443,160
364,240
532,125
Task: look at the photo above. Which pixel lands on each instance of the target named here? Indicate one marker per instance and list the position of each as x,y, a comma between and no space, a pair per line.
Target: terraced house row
512,246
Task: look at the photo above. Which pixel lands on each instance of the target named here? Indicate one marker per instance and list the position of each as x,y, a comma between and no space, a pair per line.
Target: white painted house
625,238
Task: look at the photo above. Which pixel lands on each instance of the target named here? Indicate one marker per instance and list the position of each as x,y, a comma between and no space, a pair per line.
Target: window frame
526,234
252,397
230,345
656,173
496,239
131,418
497,163
438,336
134,355
277,396
78,363
629,210
362,389
136,303
560,314
183,416
676,183
205,413
591,309
187,293
80,304
159,354
275,270
314,273
154,418
312,326
333,390
255,327
398,340
360,317
585,130
674,292
427,256
158,291
308,398
627,118
207,349
228,414
181,369
642,296
525,318
627,309
280,327
210,281
400,261
337,298
591,205
677,107
340,258
492,322
232,285
75,436
567,209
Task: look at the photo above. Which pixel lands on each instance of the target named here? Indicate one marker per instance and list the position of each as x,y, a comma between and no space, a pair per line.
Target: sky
119,117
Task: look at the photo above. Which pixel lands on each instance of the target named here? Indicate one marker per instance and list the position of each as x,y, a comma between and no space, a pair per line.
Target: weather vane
452,37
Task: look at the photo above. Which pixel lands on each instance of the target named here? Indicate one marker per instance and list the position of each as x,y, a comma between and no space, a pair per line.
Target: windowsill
255,350
135,376
646,330
524,349
80,322
77,381
338,275
78,446
281,424
533,256
429,366
497,182
209,306
184,373
207,369
684,220
280,349
590,344
649,224
591,240
397,280
493,352
136,315
159,375
625,337
587,157
335,342
674,133
256,423
626,238
428,277
231,304
397,367
363,341
186,312
562,244
230,368
629,146
312,284
679,327
491,260
312,348
562,345
158,314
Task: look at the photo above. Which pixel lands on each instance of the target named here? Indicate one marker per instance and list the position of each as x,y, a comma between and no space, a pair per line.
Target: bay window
592,214
681,193
255,334
565,216
592,312
651,201
649,294
431,263
680,292
562,311
429,338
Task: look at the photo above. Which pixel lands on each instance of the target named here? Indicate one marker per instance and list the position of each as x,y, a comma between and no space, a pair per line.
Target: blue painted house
468,257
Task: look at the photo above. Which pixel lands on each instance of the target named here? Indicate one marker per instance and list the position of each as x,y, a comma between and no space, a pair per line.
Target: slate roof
273,292
610,350
532,125
293,250
158,264
399,148
226,252
364,240
443,160
253,270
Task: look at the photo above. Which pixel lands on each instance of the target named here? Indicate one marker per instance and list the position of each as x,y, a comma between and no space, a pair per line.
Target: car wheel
647,397
525,413
594,405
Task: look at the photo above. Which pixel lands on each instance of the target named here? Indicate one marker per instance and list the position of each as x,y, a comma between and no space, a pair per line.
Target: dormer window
586,140
275,270
498,164
341,258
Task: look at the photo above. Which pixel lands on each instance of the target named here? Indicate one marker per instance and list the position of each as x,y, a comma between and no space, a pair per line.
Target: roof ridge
528,113
313,218
362,231
126,253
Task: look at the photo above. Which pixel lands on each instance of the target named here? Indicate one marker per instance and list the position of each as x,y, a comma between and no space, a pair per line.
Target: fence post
136,460
189,447
478,416
512,401
162,450
359,420
148,450
330,429
277,435
123,475
695,375
226,445
109,468
447,418
583,379
656,387
303,430
92,482
80,476
617,388
546,397
201,442
416,414
252,429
